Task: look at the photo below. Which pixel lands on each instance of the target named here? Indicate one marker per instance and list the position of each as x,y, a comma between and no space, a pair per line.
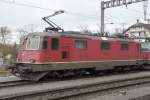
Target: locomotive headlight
32,60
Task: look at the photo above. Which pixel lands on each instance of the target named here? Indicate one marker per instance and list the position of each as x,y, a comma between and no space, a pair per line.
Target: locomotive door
65,49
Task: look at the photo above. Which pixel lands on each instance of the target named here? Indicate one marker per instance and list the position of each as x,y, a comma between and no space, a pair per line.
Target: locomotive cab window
81,44
124,46
55,44
33,43
105,46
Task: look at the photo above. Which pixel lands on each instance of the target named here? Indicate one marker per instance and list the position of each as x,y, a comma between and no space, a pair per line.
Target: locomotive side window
124,46
81,44
33,42
105,46
45,43
55,44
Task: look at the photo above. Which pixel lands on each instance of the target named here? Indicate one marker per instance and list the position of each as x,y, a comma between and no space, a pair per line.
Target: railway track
71,88
17,82
13,83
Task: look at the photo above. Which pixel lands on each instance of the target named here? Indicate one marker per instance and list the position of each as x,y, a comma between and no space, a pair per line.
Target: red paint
146,55
92,53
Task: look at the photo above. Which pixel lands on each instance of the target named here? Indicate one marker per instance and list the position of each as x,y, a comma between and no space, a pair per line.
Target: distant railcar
146,52
55,54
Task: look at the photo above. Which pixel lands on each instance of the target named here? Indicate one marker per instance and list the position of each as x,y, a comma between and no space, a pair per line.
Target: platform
135,94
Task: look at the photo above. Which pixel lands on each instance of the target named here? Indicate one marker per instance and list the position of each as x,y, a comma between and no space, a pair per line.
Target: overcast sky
80,13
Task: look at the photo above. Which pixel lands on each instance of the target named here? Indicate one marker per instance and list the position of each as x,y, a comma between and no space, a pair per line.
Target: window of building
81,44
105,45
55,44
124,46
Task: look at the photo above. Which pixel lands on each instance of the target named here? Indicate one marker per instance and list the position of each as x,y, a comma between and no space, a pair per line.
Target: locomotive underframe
36,67
34,71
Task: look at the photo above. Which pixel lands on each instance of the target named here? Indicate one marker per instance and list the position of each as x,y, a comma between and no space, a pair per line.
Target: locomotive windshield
33,42
145,46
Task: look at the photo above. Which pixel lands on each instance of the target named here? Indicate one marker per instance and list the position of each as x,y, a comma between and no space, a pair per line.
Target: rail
70,88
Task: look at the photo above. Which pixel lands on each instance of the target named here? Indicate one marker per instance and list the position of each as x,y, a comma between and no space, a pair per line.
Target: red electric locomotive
54,53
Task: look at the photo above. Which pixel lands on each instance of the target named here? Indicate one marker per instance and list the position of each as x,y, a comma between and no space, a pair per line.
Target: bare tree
22,34
118,30
84,29
4,32
30,28
99,28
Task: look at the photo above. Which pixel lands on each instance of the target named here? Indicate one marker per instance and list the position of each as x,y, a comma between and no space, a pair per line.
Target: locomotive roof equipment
53,26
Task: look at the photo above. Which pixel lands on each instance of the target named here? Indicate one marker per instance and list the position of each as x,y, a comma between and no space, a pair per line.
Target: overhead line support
111,4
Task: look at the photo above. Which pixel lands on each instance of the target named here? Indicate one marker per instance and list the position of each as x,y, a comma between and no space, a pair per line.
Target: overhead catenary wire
134,10
26,5
48,9
65,11
54,10
138,11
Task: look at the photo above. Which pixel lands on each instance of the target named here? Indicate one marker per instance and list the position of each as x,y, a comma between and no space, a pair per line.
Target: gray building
139,32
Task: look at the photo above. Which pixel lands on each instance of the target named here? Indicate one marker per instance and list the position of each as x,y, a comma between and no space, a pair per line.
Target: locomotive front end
30,55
